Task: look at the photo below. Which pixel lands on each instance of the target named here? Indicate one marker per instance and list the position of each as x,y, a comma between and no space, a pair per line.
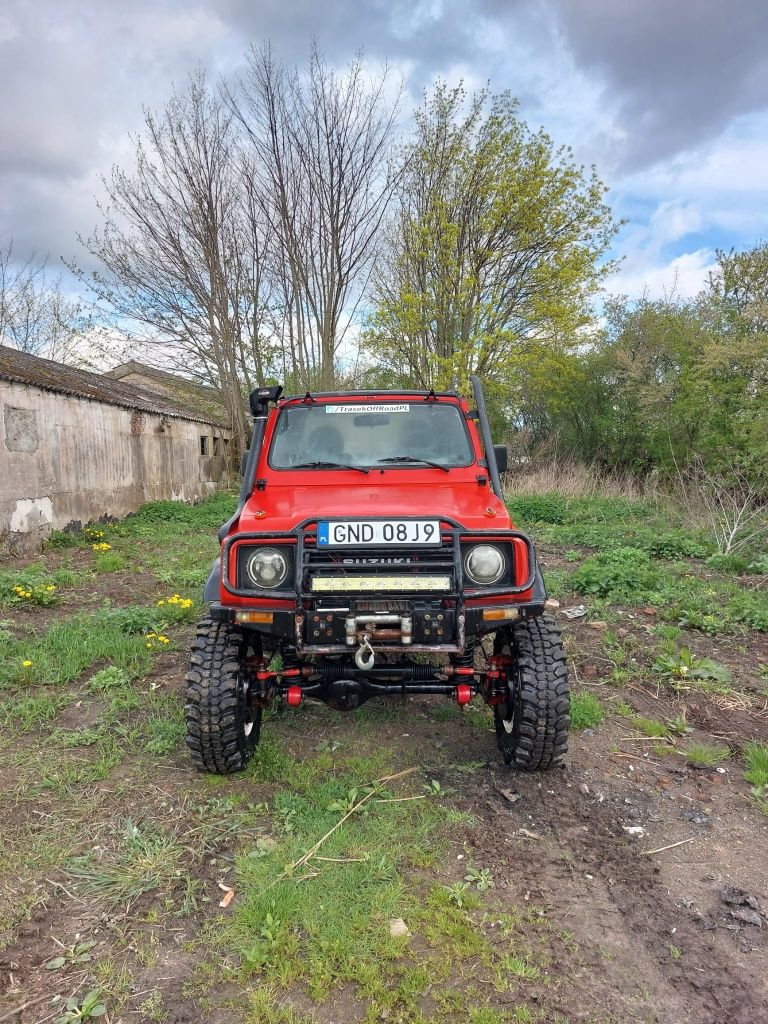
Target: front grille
356,563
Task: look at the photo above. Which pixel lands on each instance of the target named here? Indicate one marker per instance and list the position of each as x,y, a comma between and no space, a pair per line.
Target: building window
217,446
203,444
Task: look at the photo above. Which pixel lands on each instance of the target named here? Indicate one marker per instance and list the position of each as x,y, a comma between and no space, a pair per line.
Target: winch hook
365,655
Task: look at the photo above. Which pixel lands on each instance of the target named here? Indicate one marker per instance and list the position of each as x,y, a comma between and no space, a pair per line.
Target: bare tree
321,177
183,251
35,314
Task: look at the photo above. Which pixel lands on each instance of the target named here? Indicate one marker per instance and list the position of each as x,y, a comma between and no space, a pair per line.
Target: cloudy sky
669,98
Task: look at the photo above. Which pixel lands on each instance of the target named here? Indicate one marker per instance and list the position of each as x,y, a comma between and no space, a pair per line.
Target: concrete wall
70,461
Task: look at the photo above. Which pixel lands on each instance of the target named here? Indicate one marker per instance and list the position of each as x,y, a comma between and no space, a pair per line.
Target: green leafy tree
494,251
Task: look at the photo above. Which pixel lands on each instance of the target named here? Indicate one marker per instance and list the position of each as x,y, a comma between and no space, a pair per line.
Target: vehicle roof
370,393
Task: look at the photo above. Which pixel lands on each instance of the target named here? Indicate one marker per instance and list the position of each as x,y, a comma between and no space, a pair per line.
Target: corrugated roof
70,380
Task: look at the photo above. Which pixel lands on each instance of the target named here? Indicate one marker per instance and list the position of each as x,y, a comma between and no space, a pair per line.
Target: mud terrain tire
222,730
532,726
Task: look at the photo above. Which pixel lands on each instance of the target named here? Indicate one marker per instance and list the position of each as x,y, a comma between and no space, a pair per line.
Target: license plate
361,532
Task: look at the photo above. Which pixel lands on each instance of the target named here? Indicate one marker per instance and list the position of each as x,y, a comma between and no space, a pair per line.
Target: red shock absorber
463,693
293,696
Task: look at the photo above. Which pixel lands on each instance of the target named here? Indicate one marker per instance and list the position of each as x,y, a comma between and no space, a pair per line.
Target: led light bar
347,584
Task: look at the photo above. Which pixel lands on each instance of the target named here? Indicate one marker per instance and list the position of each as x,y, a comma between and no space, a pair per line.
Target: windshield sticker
388,407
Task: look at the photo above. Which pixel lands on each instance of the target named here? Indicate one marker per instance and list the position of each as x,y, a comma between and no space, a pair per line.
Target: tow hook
364,655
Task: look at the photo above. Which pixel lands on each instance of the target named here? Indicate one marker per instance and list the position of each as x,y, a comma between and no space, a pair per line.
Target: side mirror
244,461
500,454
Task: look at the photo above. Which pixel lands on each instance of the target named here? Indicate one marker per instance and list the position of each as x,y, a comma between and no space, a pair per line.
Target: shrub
64,539
538,508
727,563
619,573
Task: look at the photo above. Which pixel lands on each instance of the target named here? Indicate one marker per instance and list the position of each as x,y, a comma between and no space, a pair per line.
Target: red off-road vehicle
370,527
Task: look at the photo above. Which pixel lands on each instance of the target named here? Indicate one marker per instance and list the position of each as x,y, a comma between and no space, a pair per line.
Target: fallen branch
342,860
671,846
378,785
399,799
24,1006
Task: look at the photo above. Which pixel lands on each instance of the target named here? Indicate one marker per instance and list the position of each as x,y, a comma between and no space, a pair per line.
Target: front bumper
423,606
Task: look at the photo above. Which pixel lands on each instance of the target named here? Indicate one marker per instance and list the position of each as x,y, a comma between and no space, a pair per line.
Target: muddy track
625,918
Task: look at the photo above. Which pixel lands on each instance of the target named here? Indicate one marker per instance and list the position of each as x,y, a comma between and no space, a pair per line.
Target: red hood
394,494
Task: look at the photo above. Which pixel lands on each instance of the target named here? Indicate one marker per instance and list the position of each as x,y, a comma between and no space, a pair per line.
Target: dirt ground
644,881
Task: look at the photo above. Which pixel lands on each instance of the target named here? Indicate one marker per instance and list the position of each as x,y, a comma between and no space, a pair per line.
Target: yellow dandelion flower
26,664
160,604
163,639
149,646
50,587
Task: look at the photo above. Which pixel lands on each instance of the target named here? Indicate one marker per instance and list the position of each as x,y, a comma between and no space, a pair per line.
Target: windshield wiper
414,459
322,464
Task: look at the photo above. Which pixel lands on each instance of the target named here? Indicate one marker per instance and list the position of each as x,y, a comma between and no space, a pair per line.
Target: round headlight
267,567
484,564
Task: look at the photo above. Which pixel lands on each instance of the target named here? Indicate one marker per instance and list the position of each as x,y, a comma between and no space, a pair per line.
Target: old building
77,446
191,393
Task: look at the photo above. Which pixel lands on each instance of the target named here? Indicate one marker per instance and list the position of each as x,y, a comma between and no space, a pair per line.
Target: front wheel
222,727
532,723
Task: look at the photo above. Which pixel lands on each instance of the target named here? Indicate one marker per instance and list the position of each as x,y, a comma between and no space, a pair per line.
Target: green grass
28,712
147,859
705,755
69,646
650,727
586,711
38,580
756,758
621,573
326,922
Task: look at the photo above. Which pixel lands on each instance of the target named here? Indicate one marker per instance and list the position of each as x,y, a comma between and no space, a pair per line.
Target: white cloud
683,276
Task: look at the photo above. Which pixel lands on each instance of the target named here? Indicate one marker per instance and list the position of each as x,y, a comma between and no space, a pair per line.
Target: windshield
355,434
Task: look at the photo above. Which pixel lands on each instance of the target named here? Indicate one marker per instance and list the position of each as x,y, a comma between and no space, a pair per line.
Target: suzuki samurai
371,554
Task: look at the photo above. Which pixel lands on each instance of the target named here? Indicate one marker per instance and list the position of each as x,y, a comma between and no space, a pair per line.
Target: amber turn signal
265,617
500,614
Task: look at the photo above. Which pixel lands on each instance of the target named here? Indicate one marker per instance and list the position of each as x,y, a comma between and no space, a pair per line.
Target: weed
756,757
58,539
683,665
586,711
77,953
147,861
110,678
152,1008
705,755
480,878
650,727
110,561
89,1008
679,725
434,788
27,712
75,737
621,573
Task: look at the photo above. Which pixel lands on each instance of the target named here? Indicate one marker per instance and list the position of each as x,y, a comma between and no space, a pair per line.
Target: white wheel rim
508,724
